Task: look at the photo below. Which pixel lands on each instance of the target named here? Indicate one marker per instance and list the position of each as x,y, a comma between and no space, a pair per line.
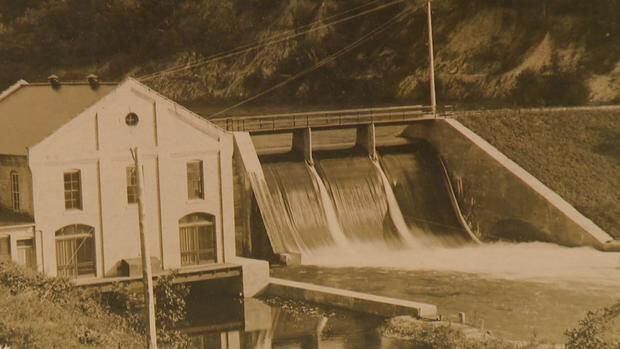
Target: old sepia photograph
310,174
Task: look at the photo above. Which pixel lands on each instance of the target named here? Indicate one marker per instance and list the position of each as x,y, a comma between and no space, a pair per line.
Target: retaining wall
499,197
355,301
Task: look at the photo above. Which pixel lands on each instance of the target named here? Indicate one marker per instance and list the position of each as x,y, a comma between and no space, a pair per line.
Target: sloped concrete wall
351,300
500,198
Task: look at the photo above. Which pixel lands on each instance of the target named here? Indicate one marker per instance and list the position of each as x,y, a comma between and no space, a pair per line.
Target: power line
259,44
321,63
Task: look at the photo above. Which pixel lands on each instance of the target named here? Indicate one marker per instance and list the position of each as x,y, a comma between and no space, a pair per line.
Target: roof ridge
73,83
16,86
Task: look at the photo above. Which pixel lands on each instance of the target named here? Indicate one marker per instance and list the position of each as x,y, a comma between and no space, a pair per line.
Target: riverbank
512,307
38,311
42,312
327,324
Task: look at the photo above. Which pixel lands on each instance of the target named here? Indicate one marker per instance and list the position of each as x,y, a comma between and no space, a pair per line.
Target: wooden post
147,279
431,59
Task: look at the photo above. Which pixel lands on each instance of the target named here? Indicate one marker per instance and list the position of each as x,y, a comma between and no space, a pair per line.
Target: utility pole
431,59
147,279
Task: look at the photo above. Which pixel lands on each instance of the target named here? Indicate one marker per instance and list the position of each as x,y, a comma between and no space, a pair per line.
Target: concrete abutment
505,201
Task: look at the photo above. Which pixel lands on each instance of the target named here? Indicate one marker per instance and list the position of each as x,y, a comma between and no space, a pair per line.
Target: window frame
198,239
195,180
131,185
26,248
5,248
15,192
75,190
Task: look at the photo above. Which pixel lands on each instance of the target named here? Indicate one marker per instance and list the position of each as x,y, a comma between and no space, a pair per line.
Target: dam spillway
292,187
421,191
359,198
342,198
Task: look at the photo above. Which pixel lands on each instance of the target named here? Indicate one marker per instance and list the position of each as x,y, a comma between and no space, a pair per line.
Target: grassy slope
36,313
575,153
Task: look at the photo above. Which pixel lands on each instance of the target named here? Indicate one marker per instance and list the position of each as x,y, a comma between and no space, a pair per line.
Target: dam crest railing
333,118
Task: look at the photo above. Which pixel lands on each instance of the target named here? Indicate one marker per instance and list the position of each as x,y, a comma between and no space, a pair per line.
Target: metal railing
335,118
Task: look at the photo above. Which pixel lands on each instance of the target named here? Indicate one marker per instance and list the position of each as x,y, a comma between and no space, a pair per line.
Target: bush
593,330
425,335
549,89
37,311
170,308
121,305
19,279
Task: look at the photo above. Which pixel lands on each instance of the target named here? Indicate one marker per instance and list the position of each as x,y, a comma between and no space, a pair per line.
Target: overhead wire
322,62
259,44
263,42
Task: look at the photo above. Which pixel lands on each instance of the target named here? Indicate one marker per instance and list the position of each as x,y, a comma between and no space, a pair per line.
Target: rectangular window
26,253
195,180
5,248
15,191
132,188
73,190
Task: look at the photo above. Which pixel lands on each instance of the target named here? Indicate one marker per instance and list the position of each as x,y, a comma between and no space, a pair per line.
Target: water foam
525,261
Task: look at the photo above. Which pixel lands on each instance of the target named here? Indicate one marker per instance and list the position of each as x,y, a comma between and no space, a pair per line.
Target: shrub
547,89
19,279
424,335
593,330
170,311
37,311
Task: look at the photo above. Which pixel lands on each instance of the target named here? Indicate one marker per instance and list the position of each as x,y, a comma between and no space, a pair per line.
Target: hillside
524,52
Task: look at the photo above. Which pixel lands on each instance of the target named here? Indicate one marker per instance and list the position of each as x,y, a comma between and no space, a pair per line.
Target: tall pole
147,279
431,59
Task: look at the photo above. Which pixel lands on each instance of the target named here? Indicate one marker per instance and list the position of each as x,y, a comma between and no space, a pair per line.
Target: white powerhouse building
67,180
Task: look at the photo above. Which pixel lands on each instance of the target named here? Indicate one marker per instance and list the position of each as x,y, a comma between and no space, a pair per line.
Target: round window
132,119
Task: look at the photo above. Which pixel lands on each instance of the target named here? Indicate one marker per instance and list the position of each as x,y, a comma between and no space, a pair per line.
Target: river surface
518,291
523,292
277,323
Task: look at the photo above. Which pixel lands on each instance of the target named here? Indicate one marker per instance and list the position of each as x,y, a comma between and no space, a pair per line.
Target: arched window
15,198
197,237
75,251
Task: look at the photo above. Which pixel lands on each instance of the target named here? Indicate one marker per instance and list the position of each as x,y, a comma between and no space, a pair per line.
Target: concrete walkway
356,301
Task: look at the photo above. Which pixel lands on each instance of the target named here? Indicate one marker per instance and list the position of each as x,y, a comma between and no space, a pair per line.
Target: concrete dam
344,197
390,179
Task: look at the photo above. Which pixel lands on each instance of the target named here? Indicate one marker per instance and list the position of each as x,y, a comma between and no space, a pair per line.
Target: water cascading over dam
359,198
422,192
298,200
399,200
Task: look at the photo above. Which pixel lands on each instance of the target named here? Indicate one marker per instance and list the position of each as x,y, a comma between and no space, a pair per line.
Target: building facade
77,180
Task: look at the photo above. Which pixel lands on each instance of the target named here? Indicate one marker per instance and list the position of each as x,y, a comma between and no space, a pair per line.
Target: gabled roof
31,112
